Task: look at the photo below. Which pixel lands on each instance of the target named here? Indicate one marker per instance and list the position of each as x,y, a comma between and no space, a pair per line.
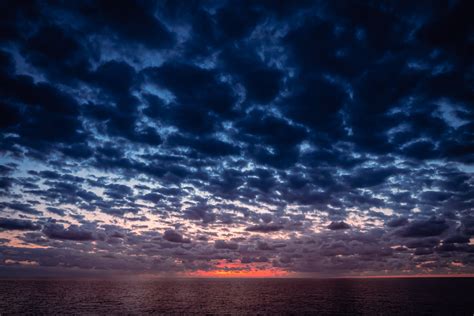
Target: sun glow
224,269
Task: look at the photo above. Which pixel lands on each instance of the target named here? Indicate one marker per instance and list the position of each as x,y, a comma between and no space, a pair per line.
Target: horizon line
401,276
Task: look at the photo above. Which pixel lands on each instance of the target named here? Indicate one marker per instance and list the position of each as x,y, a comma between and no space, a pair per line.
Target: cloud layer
316,137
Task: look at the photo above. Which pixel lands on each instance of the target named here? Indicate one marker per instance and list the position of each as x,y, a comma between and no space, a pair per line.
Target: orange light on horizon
237,274
225,269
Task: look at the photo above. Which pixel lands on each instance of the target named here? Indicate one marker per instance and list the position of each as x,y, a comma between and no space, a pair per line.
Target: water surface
443,296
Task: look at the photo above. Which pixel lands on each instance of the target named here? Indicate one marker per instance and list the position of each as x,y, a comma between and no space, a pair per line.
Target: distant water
240,296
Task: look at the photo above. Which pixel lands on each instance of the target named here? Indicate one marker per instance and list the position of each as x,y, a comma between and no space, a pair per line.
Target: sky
236,138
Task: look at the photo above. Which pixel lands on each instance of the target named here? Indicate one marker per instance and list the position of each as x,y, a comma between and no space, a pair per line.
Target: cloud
459,239
73,232
139,26
201,212
431,227
338,226
222,244
397,222
190,134
17,224
264,228
174,236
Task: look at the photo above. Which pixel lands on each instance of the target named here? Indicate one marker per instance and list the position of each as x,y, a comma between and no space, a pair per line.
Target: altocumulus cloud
322,137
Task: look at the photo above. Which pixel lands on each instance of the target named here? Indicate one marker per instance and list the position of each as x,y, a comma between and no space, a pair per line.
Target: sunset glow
224,269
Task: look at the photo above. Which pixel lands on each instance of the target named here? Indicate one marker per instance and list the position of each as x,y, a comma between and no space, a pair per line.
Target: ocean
421,296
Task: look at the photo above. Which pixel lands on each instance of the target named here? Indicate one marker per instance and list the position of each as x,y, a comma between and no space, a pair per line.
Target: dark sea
430,296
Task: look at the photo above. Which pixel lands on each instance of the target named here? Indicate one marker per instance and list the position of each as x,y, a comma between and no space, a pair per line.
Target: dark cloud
56,211
424,228
369,177
168,136
116,78
201,212
264,228
125,22
17,224
254,259
193,87
397,222
207,146
262,83
338,226
458,239
174,236
21,207
59,52
222,244
73,232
